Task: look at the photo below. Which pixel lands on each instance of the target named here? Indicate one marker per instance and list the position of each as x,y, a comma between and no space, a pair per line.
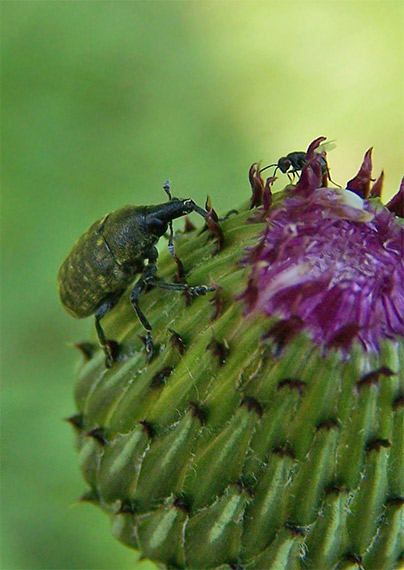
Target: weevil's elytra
106,258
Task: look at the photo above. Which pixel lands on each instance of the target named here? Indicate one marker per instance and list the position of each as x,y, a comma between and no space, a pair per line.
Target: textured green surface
101,102
229,451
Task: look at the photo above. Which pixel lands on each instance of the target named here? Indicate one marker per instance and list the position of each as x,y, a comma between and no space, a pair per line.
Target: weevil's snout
195,208
187,206
171,210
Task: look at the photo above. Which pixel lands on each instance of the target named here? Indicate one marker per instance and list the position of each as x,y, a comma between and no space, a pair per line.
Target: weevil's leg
193,290
107,305
171,239
227,216
146,279
150,271
137,290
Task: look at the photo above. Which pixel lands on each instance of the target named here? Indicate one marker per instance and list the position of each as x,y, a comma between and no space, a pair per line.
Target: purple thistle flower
332,259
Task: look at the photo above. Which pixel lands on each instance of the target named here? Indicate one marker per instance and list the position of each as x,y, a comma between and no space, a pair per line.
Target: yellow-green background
101,102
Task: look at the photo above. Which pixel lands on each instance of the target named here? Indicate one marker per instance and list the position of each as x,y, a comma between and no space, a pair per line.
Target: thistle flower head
333,259
225,452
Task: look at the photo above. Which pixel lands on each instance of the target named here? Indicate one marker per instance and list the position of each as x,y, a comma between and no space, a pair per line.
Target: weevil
295,161
106,258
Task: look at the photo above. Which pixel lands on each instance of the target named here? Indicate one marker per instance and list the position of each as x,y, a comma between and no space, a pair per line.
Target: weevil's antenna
167,190
171,249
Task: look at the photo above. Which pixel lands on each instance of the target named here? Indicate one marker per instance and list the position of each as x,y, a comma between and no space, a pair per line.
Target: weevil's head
158,218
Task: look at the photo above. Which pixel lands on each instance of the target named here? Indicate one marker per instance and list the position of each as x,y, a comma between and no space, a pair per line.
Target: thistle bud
267,431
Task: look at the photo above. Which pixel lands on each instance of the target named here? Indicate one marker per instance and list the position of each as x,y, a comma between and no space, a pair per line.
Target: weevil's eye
156,226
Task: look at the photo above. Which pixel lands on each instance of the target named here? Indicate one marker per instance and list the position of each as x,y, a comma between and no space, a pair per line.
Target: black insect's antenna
167,190
270,166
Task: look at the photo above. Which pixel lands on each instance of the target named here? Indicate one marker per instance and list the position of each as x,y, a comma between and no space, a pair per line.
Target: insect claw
148,342
111,350
108,361
200,290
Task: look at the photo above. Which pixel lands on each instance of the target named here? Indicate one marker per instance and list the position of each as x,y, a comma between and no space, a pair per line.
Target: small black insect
295,161
105,259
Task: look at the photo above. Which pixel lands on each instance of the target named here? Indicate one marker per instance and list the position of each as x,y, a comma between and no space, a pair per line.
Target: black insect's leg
328,175
293,173
101,311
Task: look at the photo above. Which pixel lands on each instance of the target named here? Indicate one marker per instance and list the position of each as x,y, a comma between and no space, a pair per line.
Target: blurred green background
101,102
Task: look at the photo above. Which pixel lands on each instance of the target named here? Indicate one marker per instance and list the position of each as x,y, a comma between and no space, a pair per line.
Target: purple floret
332,260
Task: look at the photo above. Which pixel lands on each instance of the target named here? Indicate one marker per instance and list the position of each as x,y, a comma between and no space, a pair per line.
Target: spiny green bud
267,432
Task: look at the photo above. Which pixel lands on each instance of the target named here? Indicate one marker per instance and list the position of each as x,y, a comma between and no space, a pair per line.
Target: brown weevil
106,258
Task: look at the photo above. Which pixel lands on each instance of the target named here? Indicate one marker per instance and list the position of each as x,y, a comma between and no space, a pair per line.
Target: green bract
243,443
